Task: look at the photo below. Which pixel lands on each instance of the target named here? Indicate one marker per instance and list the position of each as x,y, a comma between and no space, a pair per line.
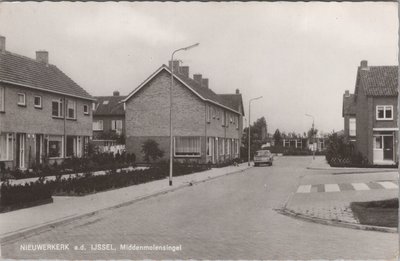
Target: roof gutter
46,90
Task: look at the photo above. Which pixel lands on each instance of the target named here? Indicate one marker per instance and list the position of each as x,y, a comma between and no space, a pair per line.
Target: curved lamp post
312,136
170,109
248,160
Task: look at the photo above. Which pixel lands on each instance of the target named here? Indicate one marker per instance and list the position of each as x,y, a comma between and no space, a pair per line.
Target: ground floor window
221,146
55,146
188,146
6,146
210,146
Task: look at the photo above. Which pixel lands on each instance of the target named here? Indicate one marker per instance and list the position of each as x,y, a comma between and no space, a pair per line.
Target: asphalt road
232,217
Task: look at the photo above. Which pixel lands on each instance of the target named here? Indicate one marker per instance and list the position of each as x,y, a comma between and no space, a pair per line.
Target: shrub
340,152
22,194
151,150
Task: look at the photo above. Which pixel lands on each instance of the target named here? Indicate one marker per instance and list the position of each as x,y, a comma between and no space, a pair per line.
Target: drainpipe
65,136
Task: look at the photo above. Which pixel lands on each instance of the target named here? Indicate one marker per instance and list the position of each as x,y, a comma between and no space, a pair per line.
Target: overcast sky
300,57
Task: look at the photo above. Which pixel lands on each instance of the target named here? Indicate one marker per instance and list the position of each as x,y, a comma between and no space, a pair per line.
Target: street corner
327,199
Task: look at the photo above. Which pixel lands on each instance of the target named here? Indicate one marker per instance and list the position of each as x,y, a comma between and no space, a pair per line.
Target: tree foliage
151,150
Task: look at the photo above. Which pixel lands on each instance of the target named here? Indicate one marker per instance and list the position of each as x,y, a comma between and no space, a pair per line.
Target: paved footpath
20,222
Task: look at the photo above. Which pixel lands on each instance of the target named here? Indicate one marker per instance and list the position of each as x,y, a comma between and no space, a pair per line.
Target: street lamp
313,133
248,161
170,109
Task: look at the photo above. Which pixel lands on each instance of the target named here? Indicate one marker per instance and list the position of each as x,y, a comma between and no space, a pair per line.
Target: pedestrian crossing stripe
347,186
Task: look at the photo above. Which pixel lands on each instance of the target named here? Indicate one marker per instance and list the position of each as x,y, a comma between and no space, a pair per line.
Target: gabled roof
109,106
206,94
234,100
23,71
349,105
378,80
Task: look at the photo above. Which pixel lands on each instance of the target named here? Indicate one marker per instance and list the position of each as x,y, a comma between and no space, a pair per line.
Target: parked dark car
263,157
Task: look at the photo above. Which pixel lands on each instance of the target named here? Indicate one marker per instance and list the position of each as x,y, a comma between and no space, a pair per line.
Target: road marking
332,188
388,185
360,186
304,189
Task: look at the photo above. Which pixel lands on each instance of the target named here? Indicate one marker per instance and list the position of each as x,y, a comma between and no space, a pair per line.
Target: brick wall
147,116
29,119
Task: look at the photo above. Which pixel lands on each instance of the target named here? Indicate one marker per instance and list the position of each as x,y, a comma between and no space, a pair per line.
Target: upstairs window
223,118
98,125
352,126
57,108
384,112
208,113
71,109
86,109
37,101
116,125
2,107
21,99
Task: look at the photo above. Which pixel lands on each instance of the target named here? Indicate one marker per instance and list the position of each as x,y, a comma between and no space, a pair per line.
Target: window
93,106
378,142
228,146
55,146
98,125
2,98
237,146
37,101
299,144
213,113
237,122
209,146
6,147
86,109
223,118
384,112
116,125
352,127
57,108
71,109
286,143
222,146
21,99
208,113
187,146
105,102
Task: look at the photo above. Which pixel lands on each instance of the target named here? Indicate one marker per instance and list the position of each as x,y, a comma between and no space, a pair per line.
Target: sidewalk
64,209
326,199
320,163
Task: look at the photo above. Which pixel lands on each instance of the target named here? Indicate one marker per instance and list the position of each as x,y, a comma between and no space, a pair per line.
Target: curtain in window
187,146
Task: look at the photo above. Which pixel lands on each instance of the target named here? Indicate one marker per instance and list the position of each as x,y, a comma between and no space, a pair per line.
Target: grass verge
383,213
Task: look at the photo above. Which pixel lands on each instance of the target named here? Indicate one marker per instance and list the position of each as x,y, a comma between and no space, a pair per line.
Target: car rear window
263,153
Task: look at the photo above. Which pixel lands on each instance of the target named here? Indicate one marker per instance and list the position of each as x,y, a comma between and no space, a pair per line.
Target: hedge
22,194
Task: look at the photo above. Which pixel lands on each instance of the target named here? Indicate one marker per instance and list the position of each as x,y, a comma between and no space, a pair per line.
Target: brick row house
44,115
207,127
109,120
370,114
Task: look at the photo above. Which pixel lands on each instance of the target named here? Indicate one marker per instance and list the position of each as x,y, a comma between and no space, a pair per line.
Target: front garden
383,213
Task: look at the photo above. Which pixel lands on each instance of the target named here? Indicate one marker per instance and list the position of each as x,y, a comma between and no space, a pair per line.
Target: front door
38,148
388,147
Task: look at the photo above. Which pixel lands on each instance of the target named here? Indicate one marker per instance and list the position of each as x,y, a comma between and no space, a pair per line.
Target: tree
312,133
258,137
151,150
277,137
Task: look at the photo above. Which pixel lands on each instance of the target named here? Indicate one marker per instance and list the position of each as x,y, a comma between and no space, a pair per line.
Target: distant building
370,114
207,127
44,114
109,119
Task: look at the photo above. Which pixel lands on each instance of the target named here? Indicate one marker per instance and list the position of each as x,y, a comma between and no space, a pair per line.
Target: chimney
237,91
364,65
347,93
197,78
204,82
42,56
2,44
175,65
115,93
185,71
